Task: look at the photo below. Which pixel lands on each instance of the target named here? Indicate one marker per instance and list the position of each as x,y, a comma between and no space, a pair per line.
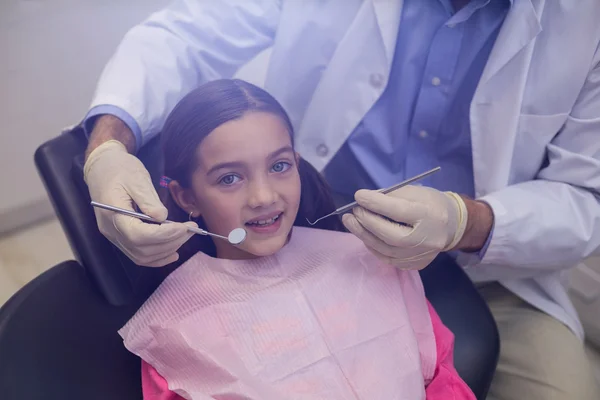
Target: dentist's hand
422,222
118,178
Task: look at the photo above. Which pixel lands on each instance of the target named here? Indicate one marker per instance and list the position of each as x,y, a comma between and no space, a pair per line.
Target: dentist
503,94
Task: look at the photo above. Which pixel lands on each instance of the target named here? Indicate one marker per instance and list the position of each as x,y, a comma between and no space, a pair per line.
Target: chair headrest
60,165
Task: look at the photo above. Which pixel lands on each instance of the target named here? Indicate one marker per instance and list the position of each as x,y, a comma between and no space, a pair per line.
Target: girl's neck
229,252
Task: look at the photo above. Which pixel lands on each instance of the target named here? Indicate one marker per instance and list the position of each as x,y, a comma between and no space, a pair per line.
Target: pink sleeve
154,386
446,384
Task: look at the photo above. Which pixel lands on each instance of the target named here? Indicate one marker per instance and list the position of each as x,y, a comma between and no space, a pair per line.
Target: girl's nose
261,194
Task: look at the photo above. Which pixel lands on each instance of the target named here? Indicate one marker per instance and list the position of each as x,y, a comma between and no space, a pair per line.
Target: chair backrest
60,165
58,340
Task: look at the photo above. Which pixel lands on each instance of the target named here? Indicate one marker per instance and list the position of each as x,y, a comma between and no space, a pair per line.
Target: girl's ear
184,198
297,158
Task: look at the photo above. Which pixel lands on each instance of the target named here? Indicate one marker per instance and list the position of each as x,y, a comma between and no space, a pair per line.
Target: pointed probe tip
313,223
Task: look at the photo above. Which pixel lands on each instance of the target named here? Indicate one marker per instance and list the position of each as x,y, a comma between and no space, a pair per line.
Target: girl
291,313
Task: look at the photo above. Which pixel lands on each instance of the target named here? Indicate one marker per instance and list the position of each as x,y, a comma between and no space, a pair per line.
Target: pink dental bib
321,319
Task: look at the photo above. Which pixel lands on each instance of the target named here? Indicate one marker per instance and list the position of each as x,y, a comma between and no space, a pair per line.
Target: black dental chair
58,334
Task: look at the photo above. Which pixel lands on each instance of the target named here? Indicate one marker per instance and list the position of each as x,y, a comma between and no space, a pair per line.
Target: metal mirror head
237,236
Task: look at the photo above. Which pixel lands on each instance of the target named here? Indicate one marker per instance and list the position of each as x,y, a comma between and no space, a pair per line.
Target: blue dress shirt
422,119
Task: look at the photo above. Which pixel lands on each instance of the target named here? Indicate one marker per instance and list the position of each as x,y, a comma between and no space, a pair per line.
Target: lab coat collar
520,27
496,103
389,14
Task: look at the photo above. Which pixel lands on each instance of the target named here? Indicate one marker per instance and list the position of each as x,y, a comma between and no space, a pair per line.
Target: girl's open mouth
269,225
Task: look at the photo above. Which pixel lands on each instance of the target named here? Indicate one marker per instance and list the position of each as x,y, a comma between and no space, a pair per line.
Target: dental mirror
235,237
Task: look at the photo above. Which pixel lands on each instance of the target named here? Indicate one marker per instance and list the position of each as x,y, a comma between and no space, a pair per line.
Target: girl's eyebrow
239,164
228,165
282,150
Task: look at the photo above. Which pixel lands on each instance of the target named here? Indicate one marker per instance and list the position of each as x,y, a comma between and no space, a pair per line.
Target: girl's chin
265,248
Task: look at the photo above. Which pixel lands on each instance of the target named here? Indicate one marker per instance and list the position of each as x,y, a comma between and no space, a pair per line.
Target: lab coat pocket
534,133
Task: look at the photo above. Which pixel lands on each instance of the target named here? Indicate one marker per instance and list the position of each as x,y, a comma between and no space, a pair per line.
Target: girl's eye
281,166
228,180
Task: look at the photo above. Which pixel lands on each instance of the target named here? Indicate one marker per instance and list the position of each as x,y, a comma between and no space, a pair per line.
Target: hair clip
164,181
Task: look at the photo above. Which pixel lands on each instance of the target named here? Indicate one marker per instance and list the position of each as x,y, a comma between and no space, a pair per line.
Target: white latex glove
437,223
118,178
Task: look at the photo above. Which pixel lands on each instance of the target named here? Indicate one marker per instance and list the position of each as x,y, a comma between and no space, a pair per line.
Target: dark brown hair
195,117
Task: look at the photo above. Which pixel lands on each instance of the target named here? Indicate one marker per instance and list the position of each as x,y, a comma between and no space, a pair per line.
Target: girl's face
247,176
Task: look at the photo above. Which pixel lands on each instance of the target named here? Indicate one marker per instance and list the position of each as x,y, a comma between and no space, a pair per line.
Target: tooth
266,221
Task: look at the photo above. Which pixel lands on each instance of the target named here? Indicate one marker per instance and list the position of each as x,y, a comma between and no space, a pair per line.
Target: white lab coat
538,100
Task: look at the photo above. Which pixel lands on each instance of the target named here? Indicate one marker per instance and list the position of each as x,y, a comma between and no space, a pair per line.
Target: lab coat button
436,81
376,80
423,134
322,150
